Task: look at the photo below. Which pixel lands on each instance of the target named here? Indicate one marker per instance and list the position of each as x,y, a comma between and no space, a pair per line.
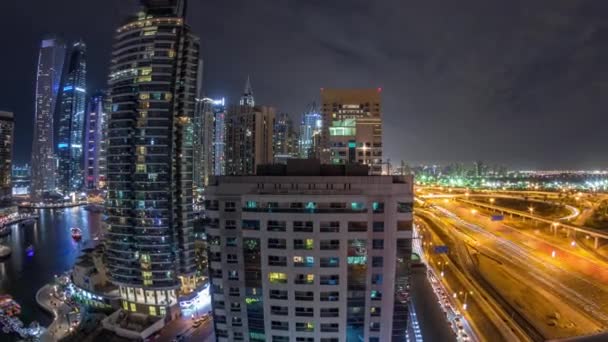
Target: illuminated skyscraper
310,130
352,127
95,142
153,87
219,137
7,138
48,78
72,106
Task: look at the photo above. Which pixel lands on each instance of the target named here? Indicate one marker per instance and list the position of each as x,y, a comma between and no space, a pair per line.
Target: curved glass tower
71,121
48,77
153,81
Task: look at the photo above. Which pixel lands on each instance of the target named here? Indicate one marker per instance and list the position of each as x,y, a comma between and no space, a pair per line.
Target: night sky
518,82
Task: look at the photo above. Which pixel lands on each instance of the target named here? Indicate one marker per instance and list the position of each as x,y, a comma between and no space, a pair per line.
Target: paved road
431,318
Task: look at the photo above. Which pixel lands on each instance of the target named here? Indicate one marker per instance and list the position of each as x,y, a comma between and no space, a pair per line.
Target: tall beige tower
352,127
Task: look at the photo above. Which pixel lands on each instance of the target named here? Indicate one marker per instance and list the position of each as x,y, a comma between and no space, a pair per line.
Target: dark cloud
517,82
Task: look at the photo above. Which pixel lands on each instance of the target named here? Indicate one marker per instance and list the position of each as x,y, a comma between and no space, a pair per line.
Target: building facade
310,132
95,142
285,139
48,78
310,253
21,179
219,137
352,127
153,80
7,138
72,107
207,155
249,138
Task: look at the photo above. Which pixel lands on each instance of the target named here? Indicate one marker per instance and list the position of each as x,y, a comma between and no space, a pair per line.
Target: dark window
279,325
305,295
330,227
404,226
277,243
305,312
279,310
329,244
378,226
330,312
274,260
330,327
333,279
377,244
303,227
330,296
403,207
278,294
377,261
357,226
276,226
250,225
330,262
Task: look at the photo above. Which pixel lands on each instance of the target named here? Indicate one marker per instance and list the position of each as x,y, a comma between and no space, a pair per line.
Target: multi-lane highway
534,287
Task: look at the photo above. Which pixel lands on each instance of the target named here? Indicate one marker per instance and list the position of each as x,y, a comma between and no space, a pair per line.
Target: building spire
247,98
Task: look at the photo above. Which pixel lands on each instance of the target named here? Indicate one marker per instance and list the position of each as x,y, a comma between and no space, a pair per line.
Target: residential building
72,107
150,241
95,142
7,139
285,139
249,138
352,127
310,252
48,78
310,132
219,137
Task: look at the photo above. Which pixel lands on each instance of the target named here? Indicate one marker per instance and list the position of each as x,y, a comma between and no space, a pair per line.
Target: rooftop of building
4,115
312,171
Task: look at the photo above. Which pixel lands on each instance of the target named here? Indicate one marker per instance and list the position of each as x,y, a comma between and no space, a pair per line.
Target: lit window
277,278
144,79
309,243
144,96
140,168
152,310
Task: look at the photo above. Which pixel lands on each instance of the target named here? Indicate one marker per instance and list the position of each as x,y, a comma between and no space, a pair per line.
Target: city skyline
493,115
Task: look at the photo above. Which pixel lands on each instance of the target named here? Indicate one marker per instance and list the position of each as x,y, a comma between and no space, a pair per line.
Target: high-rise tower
48,77
310,130
95,142
249,138
72,107
153,80
7,137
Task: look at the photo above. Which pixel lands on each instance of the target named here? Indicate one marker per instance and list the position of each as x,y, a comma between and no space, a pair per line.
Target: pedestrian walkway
60,327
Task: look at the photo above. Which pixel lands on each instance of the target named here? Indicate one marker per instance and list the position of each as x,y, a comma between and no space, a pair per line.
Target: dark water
55,252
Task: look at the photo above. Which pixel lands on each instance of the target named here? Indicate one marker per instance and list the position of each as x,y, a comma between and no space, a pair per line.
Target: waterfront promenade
60,327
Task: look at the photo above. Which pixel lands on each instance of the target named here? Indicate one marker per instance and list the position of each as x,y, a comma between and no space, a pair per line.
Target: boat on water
9,306
5,251
76,233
